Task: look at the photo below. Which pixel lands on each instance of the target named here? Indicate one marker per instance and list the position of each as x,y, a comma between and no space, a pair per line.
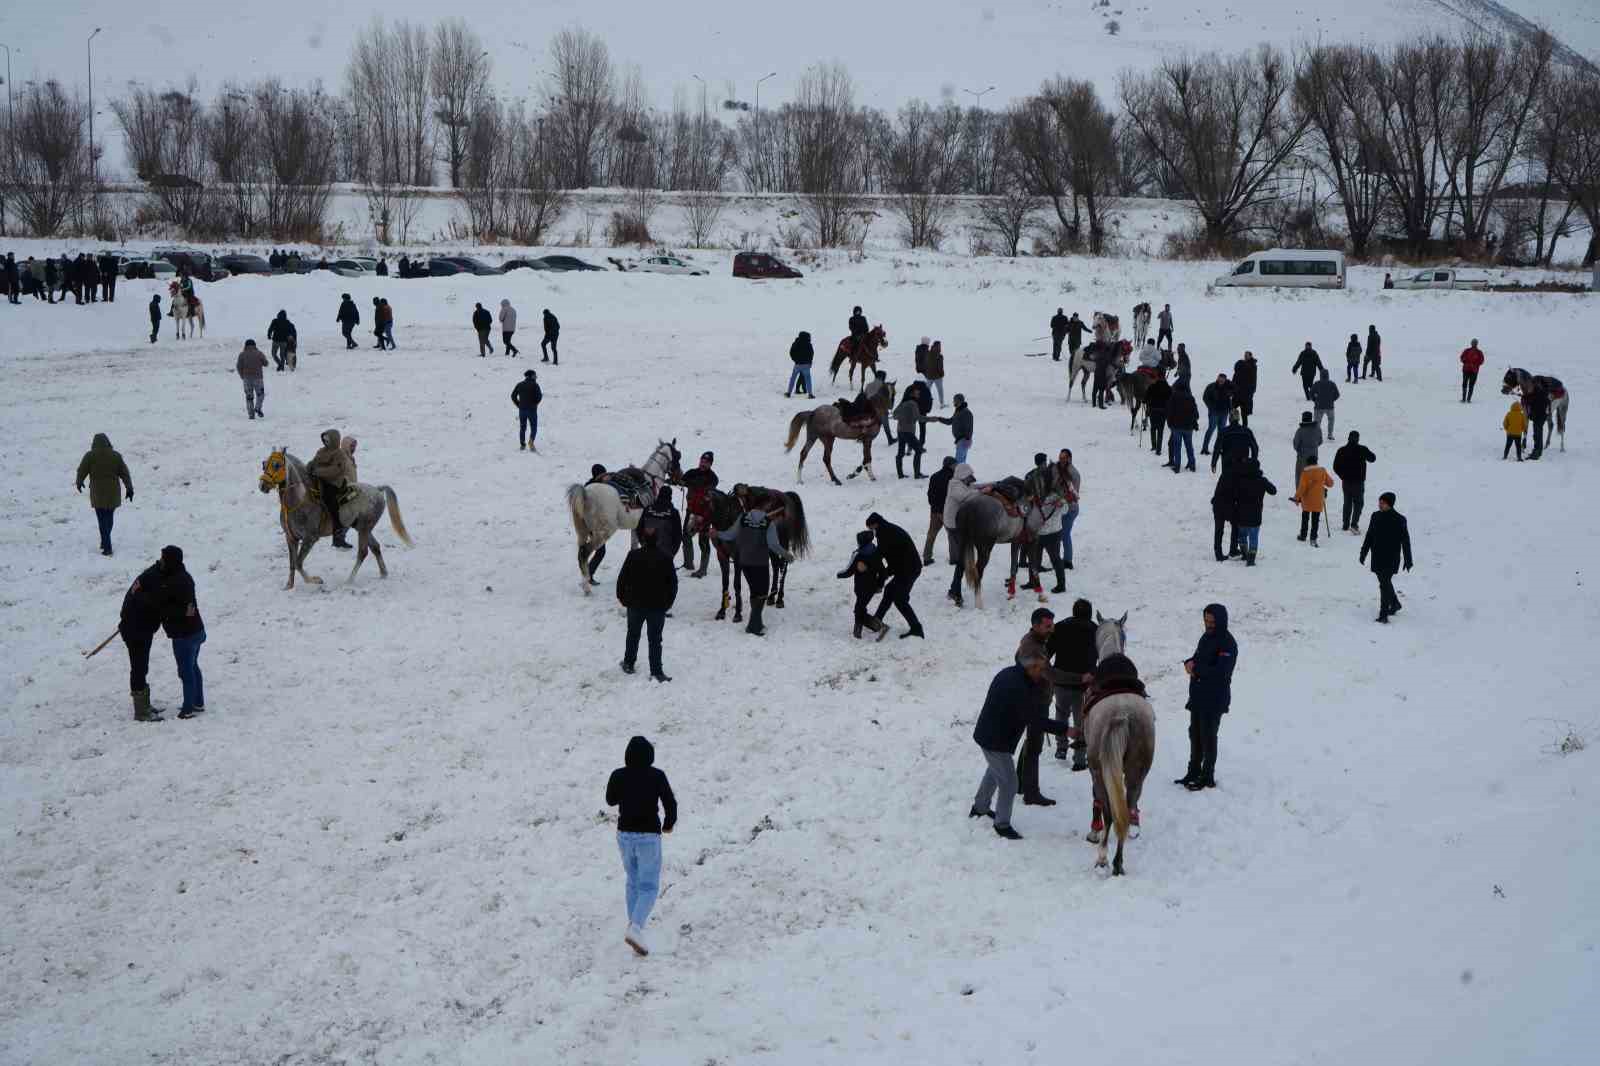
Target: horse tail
839,357
1113,748
576,502
796,424
795,519
399,524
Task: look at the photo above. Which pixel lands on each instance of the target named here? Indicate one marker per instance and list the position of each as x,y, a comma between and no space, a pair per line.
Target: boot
142,710
1250,558
755,628
857,631
338,539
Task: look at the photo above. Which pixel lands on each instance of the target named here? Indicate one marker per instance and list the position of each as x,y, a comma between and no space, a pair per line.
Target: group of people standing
483,322
88,278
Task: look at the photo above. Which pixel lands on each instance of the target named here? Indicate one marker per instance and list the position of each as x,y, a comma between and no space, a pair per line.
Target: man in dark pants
155,316
1224,510
1017,698
1306,365
647,585
1210,671
938,487
1076,327
1389,540
1074,655
108,277
1235,444
1350,464
1058,333
552,333
1033,651
1537,407
1373,358
481,321
348,318
905,566
527,396
1156,397
107,475
142,608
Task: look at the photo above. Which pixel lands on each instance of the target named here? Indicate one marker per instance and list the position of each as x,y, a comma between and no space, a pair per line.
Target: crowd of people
86,278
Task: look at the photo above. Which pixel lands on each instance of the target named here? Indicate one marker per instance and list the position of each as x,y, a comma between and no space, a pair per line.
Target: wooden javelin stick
103,643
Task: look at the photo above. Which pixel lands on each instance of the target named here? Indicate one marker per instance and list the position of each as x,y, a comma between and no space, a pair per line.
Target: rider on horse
335,471
861,407
858,327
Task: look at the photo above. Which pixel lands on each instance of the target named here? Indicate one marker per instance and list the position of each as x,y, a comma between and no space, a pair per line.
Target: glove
130,495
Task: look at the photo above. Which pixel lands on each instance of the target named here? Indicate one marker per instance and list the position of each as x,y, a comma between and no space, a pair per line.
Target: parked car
1442,279
365,262
762,265
567,262
658,264
244,263
1288,268
350,268
442,268
470,265
201,266
523,264
137,266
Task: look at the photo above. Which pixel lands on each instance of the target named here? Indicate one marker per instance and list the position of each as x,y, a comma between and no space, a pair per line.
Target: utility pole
977,97
11,113
88,48
761,144
702,82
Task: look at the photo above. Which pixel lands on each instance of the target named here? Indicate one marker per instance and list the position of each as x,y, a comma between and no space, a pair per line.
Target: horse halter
274,472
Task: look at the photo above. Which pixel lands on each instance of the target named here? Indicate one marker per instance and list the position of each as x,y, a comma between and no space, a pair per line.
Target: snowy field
386,840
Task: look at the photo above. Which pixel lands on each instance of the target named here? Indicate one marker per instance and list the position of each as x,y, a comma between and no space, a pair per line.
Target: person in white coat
961,487
1150,355
508,326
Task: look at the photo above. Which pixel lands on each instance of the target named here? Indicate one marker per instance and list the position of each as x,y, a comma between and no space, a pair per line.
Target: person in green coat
104,468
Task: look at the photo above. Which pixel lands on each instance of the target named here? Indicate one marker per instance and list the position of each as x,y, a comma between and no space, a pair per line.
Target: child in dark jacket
866,566
637,789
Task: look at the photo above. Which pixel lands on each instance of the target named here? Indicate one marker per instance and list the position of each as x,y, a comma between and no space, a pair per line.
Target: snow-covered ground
386,840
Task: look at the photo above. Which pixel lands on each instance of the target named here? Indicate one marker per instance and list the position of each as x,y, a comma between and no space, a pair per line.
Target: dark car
762,265
470,265
200,264
442,268
567,262
244,264
524,264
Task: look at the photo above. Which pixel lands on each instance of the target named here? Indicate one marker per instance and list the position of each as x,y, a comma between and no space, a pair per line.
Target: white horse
186,312
598,510
1079,367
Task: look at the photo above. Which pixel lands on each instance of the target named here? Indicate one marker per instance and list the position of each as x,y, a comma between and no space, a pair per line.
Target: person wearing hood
1018,698
349,317
647,585
1150,355
1311,493
508,327
1210,671
1157,395
180,619
900,558
1388,540
1515,424
1306,365
1307,439
1350,464
1372,360
155,316
1250,491
961,487
1324,394
664,518
334,470
549,343
866,568
1352,360
1183,418
642,795
281,334
527,396
107,474
481,321
1471,363
250,364
938,488
1244,387
801,355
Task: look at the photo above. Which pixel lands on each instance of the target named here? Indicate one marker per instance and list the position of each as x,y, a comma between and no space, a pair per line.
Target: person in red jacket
1471,363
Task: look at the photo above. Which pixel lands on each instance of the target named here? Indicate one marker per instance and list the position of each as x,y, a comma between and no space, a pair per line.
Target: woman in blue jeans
637,789
180,618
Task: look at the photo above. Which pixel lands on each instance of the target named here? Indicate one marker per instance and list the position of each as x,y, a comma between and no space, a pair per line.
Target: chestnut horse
863,355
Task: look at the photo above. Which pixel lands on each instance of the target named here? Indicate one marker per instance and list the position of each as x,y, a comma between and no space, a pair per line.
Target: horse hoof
719,616
1100,863
1116,870
738,618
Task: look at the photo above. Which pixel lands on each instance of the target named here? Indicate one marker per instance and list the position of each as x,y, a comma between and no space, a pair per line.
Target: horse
598,510
1080,367
863,354
1133,386
984,520
827,423
786,511
305,520
185,312
1519,380
1120,734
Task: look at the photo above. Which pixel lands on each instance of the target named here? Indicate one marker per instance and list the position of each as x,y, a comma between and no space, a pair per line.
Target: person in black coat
1073,654
1372,359
1218,398
1058,333
552,334
1183,418
638,789
155,316
938,489
1250,491
1076,328
904,564
50,279
180,619
1235,444
858,325
646,587
349,317
483,321
1018,697
108,277
663,518
1156,398
1210,671
1350,464
1388,540
1536,405
801,355
866,568
142,607
1225,510
282,334
527,396
1306,364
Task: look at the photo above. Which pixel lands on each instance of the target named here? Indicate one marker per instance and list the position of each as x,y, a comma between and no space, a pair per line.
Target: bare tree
701,212
1091,135
1041,162
1542,156
1335,99
47,169
1576,161
921,165
389,88
1415,87
1220,126
826,147
1010,213
295,158
165,136
582,92
459,74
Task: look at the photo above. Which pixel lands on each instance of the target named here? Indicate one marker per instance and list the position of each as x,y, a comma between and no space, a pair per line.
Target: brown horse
828,424
863,355
783,509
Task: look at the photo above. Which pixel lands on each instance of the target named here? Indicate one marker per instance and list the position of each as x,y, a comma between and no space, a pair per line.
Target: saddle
1551,386
1010,492
857,414
769,500
1112,686
1149,371
633,485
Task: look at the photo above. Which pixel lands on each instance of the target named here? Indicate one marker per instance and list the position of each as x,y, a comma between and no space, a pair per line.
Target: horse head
275,471
880,336
1512,380
1110,634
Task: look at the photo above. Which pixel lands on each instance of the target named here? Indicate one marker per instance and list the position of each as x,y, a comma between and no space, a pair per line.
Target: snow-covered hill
386,840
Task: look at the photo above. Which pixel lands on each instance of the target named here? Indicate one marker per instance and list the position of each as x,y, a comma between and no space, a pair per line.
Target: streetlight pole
760,144
759,80
702,82
11,113
977,97
88,48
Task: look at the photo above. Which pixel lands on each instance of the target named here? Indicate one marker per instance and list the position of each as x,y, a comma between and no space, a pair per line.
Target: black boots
142,710
755,628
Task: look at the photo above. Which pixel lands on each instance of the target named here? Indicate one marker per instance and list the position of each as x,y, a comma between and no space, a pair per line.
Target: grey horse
984,520
305,520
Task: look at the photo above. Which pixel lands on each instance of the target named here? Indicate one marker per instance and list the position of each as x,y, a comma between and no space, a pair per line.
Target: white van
1291,267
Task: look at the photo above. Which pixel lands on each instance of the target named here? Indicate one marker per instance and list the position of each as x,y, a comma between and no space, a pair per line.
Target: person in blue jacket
1210,671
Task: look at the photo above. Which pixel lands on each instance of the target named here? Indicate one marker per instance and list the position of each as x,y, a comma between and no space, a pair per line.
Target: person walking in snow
1225,510
552,334
155,316
508,328
1372,360
1076,327
938,487
1350,464
866,569
1069,483
1471,363
385,319
1218,397
527,396
697,484
107,474
1073,655
1058,333
1164,333
1018,697
349,317
908,417
1244,387
481,322
1235,444
1324,394
1210,671
801,355
1352,360
1157,397
1306,365
1311,494
140,621
904,565
1515,424
642,795
1388,540
1307,439
961,487
1183,418
281,335
1250,491
250,364
181,621
647,585
933,370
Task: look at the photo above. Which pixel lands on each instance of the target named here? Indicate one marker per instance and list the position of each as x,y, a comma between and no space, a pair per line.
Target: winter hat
250,342
864,537
1305,416
172,557
1082,609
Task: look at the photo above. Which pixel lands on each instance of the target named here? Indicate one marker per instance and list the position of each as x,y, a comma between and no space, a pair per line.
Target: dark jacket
1352,352
1182,413
1225,496
1218,397
1324,393
637,788
482,320
961,423
552,326
102,465
1308,362
180,614
1388,540
664,518
1210,687
1156,397
1374,344
866,567
755,539
1234,444
1075,329
1537,406
527,394
1249,496
155,310
919,393
858,325
281,329
1244,379
919,358
801,352
142,604
1058,325
1013,704
349,313
1071,648
938,487
900,552
1350,462
648,580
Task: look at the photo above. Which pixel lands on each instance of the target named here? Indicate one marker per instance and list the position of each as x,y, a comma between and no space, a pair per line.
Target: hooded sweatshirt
954,496
508,317
332,463
1210,687
104,468
1515,422
636,789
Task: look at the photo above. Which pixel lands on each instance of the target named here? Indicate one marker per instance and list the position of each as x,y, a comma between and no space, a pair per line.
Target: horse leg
778,572
738,594
866,456
800,467
583,566
377,554
300,562
981,564
827,459
362,547
722,564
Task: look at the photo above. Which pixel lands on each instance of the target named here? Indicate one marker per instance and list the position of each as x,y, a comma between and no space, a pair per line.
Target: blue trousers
527,423
801,374
1250,537
186,650
1066,533
1177,438
961,450
641,861
1215,420
105,516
